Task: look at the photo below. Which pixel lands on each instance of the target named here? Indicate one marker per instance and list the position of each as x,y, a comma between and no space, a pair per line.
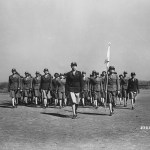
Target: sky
38,34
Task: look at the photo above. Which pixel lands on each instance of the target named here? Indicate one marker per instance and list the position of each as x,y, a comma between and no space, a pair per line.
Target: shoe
110,114
13,106
74,117
132,108
44,107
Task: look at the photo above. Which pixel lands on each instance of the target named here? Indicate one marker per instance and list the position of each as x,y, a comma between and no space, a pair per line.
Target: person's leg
26,100
74,110
83,101
109,100
12,93
77,95
125,101
95,100
45,98
65,101
110,108
132,99
45,102
132,103
36,101
73,98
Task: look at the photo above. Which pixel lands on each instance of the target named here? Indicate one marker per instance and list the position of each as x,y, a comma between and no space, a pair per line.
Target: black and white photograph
74,74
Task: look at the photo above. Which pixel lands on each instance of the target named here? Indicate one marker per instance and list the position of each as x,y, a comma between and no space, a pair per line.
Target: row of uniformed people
129,88
41,87
44,88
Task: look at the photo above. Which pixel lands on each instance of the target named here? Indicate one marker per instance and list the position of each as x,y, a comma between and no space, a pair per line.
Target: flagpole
107,67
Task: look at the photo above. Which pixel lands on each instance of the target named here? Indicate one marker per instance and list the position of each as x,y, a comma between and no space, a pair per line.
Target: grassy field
28,128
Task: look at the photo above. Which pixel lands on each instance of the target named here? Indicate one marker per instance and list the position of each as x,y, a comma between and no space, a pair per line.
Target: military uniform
133,88
85,88
112,87
97,87
46,85
74,84
124,85
37,86
61,88
55,88
13,85
27,81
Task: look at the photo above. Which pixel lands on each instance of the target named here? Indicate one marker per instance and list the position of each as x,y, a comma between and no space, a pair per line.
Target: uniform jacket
46,82
27,81
113,83
97,84
21,83
133,85
14,82
85,84
55,84
37,83
124,83
61,85
74,82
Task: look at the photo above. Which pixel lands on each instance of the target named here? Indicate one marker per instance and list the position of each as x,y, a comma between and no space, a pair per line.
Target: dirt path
53,129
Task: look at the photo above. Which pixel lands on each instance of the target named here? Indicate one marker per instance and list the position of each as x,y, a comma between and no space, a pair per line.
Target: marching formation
73,88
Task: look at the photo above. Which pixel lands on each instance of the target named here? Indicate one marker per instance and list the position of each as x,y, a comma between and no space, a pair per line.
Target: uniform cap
56,75
133,73
103,72
61,74
97,73
125,72
83,72
13,69
45,69
26,72
73,64
111,68
94,71
37,72
120,75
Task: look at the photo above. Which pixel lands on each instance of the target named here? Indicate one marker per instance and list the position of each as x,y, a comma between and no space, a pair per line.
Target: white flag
108,56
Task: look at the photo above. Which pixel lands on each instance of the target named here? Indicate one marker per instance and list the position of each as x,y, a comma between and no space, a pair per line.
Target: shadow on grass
6,105
118,107
87,113
57,115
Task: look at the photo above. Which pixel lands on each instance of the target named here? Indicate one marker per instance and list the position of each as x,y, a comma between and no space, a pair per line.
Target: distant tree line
144,84
3,87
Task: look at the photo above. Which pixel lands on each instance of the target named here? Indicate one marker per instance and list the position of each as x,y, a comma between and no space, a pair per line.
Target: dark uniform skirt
132,95
12,93
97,95
28,93
18,94
85,94
46,94
111,96
124,93
61,95
37,93
54,94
